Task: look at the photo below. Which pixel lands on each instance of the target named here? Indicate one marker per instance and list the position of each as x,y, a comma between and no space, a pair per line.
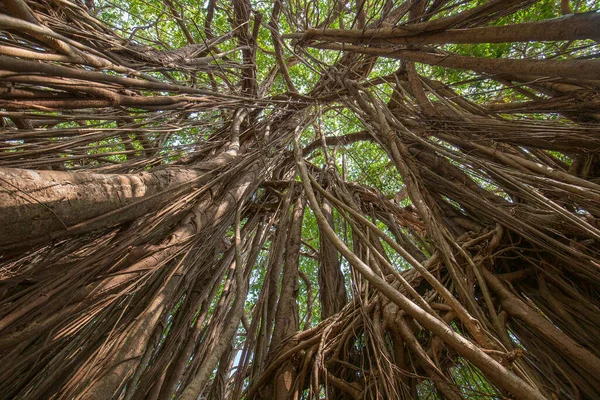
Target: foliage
299,199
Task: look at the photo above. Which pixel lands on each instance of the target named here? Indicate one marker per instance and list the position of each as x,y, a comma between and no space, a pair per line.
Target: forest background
299,199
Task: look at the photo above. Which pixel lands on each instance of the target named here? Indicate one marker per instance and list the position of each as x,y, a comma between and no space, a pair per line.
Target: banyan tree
298,199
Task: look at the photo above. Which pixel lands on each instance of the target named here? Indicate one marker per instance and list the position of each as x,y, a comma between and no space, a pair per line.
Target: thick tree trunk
573,27
332,289
578,69
287,318
39,206
122,284
127,354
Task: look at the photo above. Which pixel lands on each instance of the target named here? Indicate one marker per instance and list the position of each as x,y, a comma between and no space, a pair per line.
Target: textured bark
128,353
473,263
286,318
494,370
332,288
131,347
571,27
578,69
38,206
574,352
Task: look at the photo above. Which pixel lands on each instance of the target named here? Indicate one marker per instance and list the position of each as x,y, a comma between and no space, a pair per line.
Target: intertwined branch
180,220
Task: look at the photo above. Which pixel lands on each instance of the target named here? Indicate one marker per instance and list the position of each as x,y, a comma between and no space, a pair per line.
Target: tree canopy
299,199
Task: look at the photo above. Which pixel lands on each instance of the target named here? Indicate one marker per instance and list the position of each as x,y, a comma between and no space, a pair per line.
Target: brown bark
141,307
128,353
38,206
332,288
572,27
581,69
562,343
287,319
497,373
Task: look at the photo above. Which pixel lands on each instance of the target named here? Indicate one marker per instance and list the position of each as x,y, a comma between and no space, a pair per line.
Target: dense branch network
299,200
